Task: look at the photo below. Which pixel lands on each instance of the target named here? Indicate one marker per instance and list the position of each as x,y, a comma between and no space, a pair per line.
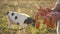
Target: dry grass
26,6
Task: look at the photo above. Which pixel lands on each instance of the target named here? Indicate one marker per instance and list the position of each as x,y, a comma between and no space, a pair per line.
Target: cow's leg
58,27
25,31
22,29
9,24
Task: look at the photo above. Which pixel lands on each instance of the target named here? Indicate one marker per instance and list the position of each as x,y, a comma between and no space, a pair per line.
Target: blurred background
24,6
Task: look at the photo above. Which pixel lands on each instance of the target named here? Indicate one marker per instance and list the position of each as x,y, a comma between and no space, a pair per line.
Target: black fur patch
18,23
16,17
12,14
30,21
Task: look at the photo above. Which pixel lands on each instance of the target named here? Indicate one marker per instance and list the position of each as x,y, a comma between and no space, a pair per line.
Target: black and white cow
20,18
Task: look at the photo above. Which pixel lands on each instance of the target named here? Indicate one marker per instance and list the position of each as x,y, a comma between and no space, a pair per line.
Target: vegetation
24,6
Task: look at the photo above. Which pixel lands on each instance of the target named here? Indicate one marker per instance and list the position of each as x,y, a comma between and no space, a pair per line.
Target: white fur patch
20,18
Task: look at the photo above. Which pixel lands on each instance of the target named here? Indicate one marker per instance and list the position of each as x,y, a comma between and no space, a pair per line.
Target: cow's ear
7,13
12,14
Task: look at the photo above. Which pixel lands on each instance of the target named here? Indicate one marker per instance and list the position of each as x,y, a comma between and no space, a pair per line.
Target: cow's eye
16,17
12,14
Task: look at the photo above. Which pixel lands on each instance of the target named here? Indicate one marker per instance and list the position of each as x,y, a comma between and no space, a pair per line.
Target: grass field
24,6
